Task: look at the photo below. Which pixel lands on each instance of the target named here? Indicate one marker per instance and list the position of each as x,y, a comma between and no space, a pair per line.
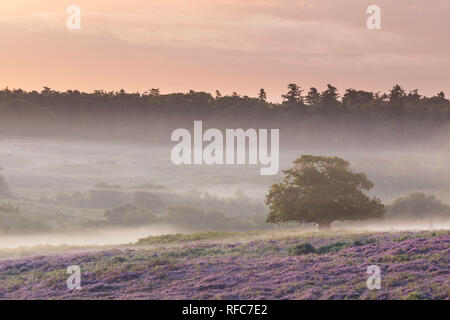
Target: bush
106,198
301,249
178,238
188,216
363,242
13,221
74,199
415,295
307,248
200,220
147,200
418,206
130,215
332,247
99,199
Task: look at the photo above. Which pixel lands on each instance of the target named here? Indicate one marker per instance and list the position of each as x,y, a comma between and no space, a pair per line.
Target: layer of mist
99,192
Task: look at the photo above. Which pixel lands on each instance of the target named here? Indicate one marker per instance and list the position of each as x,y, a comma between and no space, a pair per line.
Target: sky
226,45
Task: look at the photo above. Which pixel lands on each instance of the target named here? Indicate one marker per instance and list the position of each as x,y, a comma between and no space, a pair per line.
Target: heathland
252,265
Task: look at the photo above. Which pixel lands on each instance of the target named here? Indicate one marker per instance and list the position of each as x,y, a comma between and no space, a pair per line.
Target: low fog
99,237
102,192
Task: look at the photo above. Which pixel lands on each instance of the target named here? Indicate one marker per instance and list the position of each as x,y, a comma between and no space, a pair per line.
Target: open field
252,265
87,204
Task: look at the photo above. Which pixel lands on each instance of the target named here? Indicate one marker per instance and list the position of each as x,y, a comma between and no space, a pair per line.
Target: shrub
99,199
177,238
415,295
147,200
188,216
74,199
301,249
363,242
106,198
418,206
332,247
14,221
130,215
198,220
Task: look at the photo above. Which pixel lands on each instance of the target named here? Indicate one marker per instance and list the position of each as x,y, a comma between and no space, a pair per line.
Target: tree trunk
323,226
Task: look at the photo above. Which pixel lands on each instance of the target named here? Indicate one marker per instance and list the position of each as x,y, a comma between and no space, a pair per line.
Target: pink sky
228,45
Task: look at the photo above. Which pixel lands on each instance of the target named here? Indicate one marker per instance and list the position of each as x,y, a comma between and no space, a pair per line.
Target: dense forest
121,114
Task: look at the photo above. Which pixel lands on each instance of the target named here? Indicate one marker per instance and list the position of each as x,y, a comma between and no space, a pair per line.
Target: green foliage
363,242
301,249
130,215
14,221
294,95
180,238
147,200
74,199
196,219
414,295
396,101
396,95
329,98
103,198
332,247
321,190
262,96
191,216
194,211
121,114
418,206
354,99
307,248
313,97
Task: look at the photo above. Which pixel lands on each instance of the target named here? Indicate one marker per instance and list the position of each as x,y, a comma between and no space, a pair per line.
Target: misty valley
66,191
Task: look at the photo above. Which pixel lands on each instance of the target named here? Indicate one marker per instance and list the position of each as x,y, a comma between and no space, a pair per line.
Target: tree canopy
408,105
320,189
418,206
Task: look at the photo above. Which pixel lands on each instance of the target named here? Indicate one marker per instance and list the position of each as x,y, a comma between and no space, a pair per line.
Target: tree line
395,103
152,115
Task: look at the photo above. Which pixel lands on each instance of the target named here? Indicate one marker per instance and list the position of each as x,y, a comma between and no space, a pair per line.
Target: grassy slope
259,265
